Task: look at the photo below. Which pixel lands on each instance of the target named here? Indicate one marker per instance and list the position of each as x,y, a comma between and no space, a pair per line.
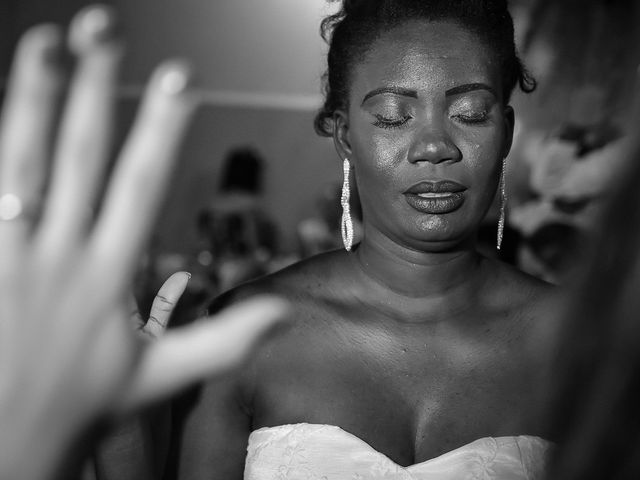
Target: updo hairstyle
359,23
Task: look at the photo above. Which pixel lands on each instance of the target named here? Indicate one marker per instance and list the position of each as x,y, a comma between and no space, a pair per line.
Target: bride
410,354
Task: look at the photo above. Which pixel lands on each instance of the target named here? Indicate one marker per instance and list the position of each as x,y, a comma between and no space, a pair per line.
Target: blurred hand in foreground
68,353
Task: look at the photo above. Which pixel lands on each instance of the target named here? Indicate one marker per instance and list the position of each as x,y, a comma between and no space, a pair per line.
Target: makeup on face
427,132
393,107
436,197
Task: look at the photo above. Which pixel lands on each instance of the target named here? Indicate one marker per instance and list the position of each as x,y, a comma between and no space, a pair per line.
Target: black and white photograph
320,240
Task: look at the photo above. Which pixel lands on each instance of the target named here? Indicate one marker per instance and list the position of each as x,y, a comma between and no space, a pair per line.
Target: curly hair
350,32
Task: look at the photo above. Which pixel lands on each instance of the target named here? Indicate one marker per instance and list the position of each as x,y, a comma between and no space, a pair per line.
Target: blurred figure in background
597,374
239,239
568,148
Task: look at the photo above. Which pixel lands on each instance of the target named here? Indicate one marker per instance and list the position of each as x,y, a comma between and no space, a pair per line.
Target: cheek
377,155
482,155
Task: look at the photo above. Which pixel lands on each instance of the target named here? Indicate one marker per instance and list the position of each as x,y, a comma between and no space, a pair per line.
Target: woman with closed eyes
410,355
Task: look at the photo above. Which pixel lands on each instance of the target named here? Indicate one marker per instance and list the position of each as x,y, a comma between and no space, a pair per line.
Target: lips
442,186
439,197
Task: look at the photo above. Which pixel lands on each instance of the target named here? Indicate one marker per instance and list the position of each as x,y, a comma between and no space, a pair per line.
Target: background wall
239,46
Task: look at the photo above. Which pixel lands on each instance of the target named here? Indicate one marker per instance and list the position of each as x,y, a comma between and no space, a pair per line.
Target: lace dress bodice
324,452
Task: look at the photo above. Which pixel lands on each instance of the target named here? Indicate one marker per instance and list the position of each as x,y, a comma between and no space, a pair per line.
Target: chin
437,228
440,234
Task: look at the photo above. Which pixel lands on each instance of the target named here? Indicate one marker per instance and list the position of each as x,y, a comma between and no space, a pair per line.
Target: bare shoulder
313,289
520,289
536,306
312,279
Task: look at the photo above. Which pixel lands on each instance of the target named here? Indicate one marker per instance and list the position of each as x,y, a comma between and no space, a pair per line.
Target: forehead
425,56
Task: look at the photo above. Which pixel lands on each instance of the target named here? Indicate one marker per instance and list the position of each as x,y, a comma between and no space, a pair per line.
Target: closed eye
472,118
384,122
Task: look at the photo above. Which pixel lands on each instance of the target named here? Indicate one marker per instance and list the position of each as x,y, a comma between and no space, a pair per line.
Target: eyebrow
405,92
469,87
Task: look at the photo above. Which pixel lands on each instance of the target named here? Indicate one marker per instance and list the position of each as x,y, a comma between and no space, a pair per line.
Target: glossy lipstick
439,197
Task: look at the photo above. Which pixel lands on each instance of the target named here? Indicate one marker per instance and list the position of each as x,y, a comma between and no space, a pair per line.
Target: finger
26,130
165,302
141,176
208,348
137,320
85,135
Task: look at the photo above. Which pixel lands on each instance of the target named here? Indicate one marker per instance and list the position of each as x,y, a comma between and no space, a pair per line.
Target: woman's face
426,131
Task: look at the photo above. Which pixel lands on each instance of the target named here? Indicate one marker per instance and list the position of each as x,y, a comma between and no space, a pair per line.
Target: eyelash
388,123
473,119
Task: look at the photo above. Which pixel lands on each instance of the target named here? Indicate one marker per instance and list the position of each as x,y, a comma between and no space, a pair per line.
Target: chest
411,393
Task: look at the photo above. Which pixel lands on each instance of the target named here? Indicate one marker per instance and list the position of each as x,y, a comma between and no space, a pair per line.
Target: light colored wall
250,46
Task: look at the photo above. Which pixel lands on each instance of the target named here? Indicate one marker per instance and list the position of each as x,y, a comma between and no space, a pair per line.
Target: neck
424,280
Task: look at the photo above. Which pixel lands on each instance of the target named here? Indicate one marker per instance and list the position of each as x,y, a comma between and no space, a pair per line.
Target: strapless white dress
305,451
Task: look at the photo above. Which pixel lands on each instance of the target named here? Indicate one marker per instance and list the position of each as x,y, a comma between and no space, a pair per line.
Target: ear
509,123
341,134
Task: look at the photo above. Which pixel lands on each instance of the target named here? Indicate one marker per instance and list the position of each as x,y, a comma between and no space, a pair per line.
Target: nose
434,145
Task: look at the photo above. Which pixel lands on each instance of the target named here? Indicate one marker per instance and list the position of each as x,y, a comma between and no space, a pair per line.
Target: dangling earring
346,226
503,202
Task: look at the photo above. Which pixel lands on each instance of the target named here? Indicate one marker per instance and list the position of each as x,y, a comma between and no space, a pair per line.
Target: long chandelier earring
503,202
346,226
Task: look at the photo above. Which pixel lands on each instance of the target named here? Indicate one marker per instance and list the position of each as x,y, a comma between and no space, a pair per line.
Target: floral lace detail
325,452
484,462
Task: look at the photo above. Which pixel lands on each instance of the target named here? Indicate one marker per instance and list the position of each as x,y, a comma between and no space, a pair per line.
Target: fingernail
188,275
93,25
173,77
10,207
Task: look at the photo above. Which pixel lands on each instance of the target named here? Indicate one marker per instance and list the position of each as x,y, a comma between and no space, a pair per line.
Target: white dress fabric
305,451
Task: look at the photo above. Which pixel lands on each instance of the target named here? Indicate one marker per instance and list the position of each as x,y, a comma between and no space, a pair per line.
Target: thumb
210,347
165,302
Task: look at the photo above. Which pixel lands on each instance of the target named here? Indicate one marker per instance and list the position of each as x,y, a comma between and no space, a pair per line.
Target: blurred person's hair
596,408
242,171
